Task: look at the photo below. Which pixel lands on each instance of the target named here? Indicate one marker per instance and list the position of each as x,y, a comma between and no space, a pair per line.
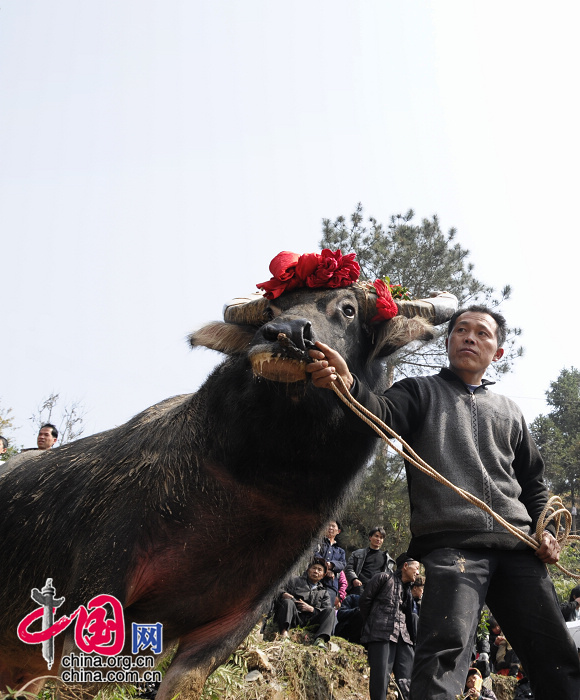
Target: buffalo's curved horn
438,309
249,310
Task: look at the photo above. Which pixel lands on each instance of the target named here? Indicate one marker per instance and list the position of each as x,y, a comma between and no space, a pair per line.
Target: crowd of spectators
371,599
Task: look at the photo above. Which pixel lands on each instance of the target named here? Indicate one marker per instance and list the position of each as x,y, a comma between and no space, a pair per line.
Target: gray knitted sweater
480,442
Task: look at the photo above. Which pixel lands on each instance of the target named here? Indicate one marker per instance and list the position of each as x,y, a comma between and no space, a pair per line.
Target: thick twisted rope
554,510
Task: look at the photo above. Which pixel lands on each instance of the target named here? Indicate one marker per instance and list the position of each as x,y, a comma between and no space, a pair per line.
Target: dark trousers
287,616
349,624
518,590
385,657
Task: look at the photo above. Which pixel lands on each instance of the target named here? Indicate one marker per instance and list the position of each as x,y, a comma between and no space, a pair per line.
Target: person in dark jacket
334,556
417,588
305,601
349,622
571,609
479,441
386,610
363,564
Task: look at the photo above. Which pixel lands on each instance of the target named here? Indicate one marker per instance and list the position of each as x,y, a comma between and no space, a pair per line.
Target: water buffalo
193,512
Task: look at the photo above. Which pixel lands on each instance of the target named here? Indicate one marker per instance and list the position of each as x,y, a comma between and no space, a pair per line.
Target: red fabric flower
283,265
283,268
328,269
386,307
307,264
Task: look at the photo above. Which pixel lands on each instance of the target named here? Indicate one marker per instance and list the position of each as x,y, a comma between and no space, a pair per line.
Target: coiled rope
554,510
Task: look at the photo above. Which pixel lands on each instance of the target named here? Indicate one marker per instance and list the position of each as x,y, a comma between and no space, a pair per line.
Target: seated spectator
334,556
349,621
363,564
506,661
388,633
305,601
474,688
571,609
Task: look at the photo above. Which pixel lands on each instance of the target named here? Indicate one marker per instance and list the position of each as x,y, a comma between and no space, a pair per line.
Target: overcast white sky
155,156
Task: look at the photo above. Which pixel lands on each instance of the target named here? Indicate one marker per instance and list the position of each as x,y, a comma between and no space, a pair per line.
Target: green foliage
228,678
570,560
483,625
381,500
6,420
6,426
558,435
424,259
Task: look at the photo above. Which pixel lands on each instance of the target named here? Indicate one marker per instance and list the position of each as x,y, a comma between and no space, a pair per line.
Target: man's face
472,346
417,592
332,530
410,571
45,440
316,573
376,540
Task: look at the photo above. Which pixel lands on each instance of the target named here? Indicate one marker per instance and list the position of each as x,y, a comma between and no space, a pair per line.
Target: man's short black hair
482,309
53,429
378,528
317,561
334,520
4,442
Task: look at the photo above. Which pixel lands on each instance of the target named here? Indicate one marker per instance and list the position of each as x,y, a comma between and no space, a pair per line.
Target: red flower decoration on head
386,307
328,269
283,268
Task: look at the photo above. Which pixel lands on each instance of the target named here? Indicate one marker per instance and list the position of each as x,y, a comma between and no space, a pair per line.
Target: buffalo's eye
268,314
349,311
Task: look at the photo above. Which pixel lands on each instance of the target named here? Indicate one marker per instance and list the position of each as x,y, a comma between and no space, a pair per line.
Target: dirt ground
296,670
267,668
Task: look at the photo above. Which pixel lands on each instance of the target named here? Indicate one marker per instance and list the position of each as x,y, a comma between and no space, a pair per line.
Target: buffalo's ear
229,338
393,334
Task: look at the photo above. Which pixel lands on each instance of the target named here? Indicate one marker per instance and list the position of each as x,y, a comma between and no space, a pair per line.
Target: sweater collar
450,376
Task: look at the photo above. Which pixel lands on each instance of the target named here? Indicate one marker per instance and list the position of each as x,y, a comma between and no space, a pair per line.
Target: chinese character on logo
94,631
147,636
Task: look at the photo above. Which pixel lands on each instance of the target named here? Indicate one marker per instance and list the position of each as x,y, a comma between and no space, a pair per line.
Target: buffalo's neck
283,439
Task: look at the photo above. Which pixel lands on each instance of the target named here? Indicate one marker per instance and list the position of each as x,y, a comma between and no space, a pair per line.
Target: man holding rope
480,442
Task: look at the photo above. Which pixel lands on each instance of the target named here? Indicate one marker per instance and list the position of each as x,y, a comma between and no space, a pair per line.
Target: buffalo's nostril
270,331
299,331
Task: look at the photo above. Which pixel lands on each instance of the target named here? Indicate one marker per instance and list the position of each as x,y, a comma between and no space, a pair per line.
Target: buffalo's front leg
187,674
201,651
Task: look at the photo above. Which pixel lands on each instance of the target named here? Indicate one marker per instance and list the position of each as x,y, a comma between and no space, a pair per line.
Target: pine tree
425,260
558,435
